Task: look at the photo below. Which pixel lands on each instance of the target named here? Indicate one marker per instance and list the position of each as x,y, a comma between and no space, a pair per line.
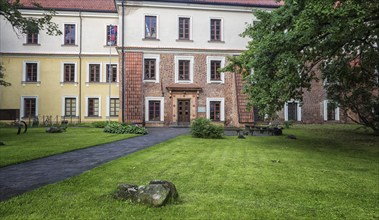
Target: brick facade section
209,90
133,88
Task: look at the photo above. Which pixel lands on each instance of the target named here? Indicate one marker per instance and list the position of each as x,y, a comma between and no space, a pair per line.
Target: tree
10,10
293,44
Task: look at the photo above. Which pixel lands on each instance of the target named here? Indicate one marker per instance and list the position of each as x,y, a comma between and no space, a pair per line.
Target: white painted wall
234,23
94,35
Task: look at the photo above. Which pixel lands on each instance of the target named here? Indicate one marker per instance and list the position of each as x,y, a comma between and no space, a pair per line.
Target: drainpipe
80,67
123,63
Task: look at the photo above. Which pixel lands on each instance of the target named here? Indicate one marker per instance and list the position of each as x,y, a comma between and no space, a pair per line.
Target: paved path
20,178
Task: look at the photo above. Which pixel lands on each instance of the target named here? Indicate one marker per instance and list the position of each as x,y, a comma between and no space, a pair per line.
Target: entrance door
184,112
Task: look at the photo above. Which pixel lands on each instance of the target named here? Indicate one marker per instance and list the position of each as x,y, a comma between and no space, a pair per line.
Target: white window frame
76,34
26,39
24,71
86,106
144,26
157,65
75,75
147,99
64,105
105,72
337,111
222,109
213,58
88,72
221,32
191,59
22,105
108,104
299,110
190,27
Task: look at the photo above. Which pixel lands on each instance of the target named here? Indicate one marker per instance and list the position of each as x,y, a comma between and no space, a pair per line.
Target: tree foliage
291,45
10,10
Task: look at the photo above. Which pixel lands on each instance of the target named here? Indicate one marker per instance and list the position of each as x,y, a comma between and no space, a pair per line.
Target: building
63,77
172,52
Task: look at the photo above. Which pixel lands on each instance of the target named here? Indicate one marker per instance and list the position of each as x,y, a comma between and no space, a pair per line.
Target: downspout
123,62
80,67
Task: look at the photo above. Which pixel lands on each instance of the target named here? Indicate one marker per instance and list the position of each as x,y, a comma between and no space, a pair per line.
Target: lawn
36,143
329,172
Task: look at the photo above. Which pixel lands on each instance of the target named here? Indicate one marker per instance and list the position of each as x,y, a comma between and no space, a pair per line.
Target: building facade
63,77
171,54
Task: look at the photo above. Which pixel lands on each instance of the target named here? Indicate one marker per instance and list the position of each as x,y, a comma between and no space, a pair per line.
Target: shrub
203,128
288,124
100,124
118,128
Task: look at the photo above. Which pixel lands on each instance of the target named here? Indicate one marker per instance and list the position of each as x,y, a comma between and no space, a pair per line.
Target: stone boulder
157,193
55,129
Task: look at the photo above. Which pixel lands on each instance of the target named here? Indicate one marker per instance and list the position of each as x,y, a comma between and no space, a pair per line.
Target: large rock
157,193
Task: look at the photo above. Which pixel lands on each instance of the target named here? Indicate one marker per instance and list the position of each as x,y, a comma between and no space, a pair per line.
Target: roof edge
213,3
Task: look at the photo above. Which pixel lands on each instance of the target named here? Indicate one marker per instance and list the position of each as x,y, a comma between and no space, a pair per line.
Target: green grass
329,172
36,143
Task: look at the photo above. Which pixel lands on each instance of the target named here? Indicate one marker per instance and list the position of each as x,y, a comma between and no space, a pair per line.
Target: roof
248,3
73,5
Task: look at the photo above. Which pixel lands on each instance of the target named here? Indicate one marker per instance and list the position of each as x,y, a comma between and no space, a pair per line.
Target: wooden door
184,112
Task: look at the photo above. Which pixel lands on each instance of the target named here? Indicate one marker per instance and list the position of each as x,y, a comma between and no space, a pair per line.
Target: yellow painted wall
50,91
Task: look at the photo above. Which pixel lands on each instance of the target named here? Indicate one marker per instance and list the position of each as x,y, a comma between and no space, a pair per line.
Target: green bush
288,124
100,124
203,128
118,128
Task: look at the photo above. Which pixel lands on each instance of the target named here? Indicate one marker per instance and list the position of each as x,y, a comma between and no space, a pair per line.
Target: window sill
24,83
150,81
215,82
154,122
150,39
113,116
216,41
184,40
30,44
69,45
69,117
93,117
113,45
69,83
183,82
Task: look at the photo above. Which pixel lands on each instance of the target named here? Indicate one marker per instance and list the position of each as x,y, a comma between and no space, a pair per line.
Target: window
93,107
29,107
149,69
184,69
215,30
69,72
31,74
184,29
114,105
292,111
94,72
154,109
213,65
69,34
331,111
215,109
69,107
215,75
111,34
151,27
113,72
32,38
